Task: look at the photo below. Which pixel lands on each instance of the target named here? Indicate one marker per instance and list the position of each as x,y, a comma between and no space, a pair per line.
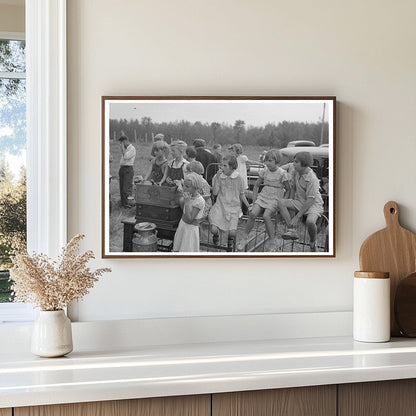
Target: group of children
292,187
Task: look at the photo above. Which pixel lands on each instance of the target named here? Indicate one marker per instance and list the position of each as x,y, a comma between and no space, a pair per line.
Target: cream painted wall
12,18
363,52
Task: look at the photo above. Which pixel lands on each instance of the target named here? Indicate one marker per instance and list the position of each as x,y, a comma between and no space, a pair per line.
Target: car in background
301,143
320,156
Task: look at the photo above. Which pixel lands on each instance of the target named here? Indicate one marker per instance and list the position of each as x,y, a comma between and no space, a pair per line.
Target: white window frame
14,312
46,134
46,125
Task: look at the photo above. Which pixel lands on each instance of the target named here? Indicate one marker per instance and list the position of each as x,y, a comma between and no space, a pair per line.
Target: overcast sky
254,113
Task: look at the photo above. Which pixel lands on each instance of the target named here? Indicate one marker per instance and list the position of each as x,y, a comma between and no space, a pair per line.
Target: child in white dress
227,185
275,183
187,234
205,189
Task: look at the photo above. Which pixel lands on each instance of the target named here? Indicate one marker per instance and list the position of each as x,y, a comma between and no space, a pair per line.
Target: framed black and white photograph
218,176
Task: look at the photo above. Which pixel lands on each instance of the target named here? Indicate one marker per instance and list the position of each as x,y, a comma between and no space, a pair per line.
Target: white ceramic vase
52,334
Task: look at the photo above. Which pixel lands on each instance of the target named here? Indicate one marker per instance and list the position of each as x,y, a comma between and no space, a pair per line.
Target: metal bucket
145,237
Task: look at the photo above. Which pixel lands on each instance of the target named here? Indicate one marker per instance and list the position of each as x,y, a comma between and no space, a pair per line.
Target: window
46,135
12,165
12,154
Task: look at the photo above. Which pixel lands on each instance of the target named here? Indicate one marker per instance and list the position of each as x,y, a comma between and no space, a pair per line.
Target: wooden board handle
391,214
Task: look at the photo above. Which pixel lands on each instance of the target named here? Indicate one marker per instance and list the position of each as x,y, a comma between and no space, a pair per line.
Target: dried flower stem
53,285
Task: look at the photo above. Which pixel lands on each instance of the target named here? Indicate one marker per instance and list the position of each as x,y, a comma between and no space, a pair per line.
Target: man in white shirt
126,173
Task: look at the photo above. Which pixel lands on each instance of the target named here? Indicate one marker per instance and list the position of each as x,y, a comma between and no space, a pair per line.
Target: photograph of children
223,176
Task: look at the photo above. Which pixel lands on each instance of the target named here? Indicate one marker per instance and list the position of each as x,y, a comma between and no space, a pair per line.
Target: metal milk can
145,237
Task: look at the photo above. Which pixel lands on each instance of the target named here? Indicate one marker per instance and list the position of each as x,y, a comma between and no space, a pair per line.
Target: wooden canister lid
372,275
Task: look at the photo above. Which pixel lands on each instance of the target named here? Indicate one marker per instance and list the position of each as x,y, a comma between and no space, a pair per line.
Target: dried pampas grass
53,285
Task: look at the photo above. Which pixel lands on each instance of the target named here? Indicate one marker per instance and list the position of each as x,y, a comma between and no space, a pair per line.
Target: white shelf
151,371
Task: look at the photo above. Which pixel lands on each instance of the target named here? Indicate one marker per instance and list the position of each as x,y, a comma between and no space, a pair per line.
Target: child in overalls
175,173
160,152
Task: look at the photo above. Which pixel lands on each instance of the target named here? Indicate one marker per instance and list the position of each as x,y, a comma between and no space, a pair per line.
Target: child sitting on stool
275,183
307,199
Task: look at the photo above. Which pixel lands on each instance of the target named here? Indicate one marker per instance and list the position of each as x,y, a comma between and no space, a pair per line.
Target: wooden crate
161,196
157,213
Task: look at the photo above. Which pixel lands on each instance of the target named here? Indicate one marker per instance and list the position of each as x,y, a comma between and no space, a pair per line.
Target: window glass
12,156
12,56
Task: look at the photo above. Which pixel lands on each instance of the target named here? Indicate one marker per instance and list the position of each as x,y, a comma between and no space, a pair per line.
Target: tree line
271,135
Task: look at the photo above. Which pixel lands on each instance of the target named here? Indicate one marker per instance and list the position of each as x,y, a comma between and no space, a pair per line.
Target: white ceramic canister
371,310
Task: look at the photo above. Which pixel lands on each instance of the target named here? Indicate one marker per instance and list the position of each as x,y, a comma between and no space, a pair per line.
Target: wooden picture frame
259,136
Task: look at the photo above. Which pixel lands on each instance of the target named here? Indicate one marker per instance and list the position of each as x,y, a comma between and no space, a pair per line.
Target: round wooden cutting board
405,306
393,250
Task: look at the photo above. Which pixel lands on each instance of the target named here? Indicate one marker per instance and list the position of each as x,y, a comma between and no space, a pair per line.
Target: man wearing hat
207,159
125,173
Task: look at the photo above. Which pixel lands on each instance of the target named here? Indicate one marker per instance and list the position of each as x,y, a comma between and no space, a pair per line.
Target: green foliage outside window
12,145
